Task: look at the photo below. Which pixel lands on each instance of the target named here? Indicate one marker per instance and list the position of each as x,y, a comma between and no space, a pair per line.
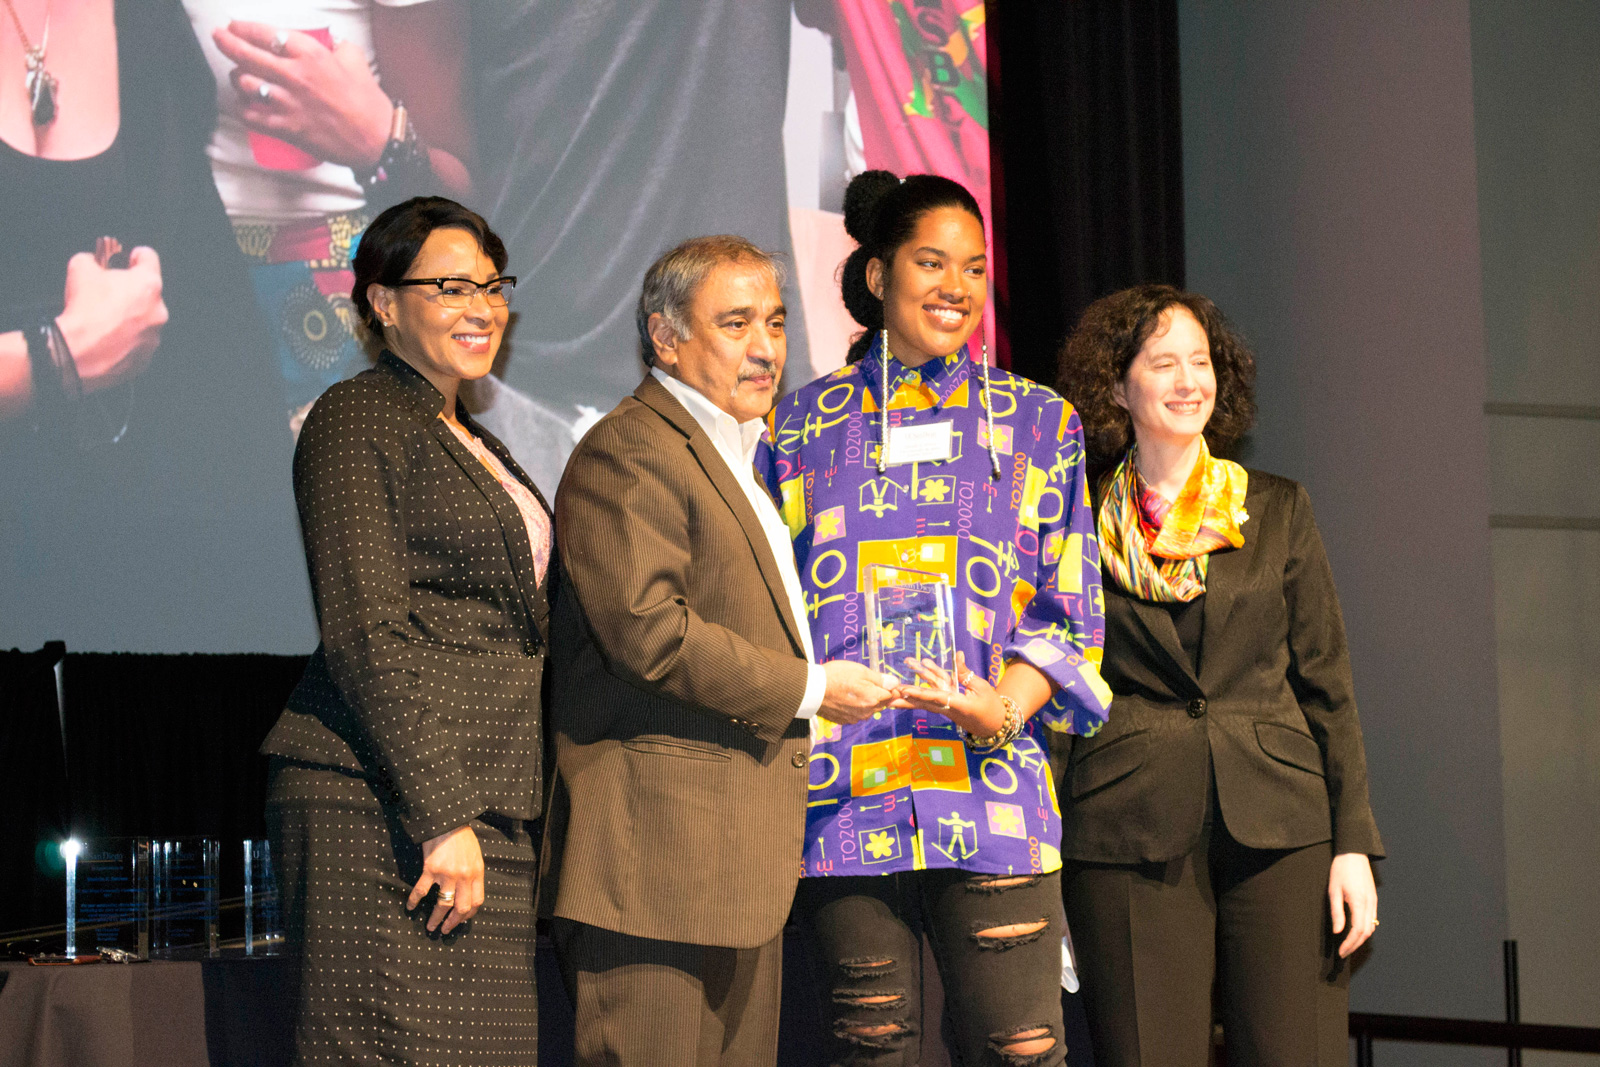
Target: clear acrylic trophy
263,922
184,878
108,894
910,613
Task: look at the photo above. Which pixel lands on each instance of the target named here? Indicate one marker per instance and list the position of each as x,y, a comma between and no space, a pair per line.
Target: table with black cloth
227,1011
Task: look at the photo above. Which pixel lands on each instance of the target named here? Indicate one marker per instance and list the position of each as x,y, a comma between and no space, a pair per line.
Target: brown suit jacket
678,805
1272,709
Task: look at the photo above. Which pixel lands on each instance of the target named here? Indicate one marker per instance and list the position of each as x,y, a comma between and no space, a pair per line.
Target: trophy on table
108,895
910,614
184,881
263,920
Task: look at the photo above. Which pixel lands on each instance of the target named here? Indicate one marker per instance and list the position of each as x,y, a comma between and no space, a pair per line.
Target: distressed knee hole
1000,885
868,968
1023,1047
887,1035
870,1001
1010,936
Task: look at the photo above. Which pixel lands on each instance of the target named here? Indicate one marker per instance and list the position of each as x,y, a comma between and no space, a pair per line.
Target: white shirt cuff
816,688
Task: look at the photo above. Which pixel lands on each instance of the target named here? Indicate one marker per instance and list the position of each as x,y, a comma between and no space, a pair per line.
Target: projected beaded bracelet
404,164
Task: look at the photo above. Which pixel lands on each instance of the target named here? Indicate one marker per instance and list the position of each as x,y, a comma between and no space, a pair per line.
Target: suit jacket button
1197,707
798,759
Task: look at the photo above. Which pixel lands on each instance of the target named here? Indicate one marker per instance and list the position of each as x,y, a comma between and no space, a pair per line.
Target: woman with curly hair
1217,831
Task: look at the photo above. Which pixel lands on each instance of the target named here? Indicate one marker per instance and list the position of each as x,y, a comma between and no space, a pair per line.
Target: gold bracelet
1010,728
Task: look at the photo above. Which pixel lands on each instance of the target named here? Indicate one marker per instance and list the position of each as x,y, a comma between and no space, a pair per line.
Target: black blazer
433,622
1272,709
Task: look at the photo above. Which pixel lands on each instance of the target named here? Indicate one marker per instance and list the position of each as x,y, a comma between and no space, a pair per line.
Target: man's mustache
756,368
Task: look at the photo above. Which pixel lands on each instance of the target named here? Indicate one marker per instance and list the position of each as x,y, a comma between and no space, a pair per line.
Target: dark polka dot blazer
432,617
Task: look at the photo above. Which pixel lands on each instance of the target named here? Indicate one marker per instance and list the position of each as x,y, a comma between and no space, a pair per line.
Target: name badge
928,443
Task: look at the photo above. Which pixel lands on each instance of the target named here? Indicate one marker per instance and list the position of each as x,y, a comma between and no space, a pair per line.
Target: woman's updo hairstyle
881,212
390,245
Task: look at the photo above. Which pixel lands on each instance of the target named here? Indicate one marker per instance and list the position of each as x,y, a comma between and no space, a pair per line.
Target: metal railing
1513,1035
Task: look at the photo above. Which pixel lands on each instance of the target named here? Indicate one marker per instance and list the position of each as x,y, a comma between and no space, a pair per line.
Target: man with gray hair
683,682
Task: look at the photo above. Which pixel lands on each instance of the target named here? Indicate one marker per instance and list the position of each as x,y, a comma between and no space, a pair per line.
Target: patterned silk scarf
1156,550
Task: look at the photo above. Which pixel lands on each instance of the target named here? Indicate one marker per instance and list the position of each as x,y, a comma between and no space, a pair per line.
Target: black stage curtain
1087,151
155,746
165,746
33,788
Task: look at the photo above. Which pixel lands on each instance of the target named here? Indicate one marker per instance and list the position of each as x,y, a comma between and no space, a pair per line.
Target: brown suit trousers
678,803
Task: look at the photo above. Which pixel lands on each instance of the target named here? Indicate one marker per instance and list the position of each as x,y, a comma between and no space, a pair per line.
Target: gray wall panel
1332,212
1536,77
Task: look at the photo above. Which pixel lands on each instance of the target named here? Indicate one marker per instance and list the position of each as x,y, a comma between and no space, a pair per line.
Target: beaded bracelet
1010,729
403,168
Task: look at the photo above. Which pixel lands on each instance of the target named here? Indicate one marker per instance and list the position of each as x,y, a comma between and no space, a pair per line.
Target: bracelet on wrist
1010,729
66,366
403,168
54,371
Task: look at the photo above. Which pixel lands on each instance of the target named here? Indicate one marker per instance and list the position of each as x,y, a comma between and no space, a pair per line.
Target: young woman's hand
325,101
974,705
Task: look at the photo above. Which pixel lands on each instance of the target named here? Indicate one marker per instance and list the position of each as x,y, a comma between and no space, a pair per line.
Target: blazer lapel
428,403
1224,575
503,454
654,394
1158,624
512,528
541,602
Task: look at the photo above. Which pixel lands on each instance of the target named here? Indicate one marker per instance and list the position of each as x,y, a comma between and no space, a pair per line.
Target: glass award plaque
184,911
909,614
108,895
263,922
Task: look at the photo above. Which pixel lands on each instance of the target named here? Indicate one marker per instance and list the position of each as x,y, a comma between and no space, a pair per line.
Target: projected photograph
181,220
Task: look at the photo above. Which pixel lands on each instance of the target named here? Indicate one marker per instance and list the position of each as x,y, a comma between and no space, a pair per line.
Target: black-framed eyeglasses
461,292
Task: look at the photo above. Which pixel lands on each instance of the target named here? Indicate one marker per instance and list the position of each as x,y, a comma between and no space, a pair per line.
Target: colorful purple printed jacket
902,791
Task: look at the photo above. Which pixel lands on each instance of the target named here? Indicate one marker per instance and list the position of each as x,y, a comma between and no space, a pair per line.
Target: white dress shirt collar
738,439
736,444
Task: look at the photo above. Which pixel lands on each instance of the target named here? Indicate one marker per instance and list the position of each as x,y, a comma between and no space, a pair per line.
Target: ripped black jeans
998,947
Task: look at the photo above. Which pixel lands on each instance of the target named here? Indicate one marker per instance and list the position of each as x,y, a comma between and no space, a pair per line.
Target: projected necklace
40,82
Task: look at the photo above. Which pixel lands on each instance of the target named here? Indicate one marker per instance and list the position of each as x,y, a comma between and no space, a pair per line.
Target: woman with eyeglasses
406,768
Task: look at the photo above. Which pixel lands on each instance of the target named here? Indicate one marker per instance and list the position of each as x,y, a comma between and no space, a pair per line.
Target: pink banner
918,71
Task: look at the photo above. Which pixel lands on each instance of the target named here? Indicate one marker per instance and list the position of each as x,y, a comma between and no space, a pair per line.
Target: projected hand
113,316
454,863
325,101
